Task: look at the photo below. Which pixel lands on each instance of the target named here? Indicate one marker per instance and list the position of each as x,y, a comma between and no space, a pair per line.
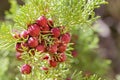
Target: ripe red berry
55,32
24,34
74,53
53,49
50,22
26,69
65,38
34,30
52,63
24,46
62,48
62,57
19,48
18,56
42,21
32,42
40,48
45,29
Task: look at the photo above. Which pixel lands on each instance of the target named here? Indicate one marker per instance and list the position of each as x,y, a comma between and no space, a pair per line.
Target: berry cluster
42,37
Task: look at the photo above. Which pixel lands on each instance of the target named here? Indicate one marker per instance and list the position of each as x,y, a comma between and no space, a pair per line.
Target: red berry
40,48
42,21
19,48
55,32
65,38
34,30
62,48
32,42
24,34
62,57
26,69
45,29
25,46
53,49
18,56
52,63
50,22
74,53
44,68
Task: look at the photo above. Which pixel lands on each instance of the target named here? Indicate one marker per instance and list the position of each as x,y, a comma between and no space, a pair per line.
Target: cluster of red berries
43,37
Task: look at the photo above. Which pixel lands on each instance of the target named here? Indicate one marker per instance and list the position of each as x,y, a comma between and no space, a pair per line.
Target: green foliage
80,12
63,12
3,67
8,68
86,46
79,76
6,38
13,9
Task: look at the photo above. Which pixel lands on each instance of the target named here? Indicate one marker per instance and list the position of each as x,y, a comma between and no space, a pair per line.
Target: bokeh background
108,32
